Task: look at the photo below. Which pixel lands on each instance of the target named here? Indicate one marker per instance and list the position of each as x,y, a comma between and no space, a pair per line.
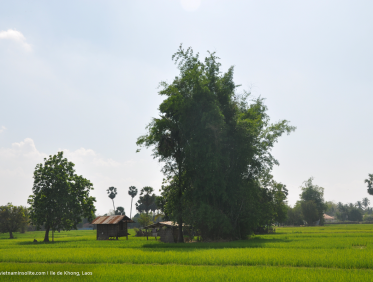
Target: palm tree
365,202
370,184
359,205
132,191
119,211
112,192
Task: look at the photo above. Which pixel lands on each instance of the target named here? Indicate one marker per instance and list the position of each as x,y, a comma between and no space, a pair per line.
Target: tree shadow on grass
252,243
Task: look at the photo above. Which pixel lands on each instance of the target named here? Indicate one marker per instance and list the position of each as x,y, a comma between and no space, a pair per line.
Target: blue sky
82,76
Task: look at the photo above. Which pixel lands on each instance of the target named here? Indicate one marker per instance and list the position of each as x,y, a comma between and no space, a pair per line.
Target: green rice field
326,253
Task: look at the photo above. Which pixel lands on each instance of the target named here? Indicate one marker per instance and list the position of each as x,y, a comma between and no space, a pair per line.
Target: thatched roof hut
113,226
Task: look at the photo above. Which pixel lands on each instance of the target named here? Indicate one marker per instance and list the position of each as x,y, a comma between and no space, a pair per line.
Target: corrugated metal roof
111,219
328,216
164,223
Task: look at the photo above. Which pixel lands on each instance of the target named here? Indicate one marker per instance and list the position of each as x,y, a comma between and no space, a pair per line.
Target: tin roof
111,219
328,216
164,223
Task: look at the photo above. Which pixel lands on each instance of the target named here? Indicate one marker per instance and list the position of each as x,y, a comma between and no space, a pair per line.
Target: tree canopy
313,204
119,211
12,218
216,147
146,200
60,197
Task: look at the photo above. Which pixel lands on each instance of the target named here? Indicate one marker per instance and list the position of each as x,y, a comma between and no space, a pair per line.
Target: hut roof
328,216
163,223
111,219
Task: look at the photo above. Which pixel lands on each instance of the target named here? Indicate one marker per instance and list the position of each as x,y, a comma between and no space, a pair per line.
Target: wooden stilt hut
166,230
113,226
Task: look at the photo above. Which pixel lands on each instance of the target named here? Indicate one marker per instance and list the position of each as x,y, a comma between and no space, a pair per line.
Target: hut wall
104,231
122,229
167,235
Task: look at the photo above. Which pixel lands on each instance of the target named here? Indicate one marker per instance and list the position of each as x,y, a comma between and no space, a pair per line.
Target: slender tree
60,197
132,191
112,192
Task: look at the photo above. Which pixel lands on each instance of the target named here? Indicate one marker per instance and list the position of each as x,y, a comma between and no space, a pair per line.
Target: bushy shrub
368,218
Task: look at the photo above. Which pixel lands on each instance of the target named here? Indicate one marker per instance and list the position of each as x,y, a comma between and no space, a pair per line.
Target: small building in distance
167,231
329,219
113,226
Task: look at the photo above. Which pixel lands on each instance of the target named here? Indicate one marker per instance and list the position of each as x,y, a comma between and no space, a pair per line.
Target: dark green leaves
60,197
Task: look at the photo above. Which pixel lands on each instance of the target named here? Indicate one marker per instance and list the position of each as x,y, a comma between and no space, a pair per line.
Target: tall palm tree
112,192
132,191
366,202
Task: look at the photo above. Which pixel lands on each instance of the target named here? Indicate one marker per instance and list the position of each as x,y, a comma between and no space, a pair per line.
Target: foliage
355,215
119,211
60,197
331,208
12,219
132,191
112,192
146,200
145,219
215,147
314,193
310,212
280,208
368,218
369,182
365,202
294,215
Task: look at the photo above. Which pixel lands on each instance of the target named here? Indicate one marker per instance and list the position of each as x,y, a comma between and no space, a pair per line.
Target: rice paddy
335,252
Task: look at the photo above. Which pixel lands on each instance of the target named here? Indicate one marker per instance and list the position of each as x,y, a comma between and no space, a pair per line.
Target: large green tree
60,197
12,219
215,145
312,193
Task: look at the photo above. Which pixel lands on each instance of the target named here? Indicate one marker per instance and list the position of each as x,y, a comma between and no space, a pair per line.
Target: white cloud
2,129
16,36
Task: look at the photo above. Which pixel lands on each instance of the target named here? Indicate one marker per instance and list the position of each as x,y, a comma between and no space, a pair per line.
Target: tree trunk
46,237
131,208
180,238
113,205
11,235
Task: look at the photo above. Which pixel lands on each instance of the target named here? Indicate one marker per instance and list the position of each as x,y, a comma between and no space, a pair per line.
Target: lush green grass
335,252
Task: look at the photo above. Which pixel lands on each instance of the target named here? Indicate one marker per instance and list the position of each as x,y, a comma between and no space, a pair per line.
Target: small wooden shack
167,230
113,226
